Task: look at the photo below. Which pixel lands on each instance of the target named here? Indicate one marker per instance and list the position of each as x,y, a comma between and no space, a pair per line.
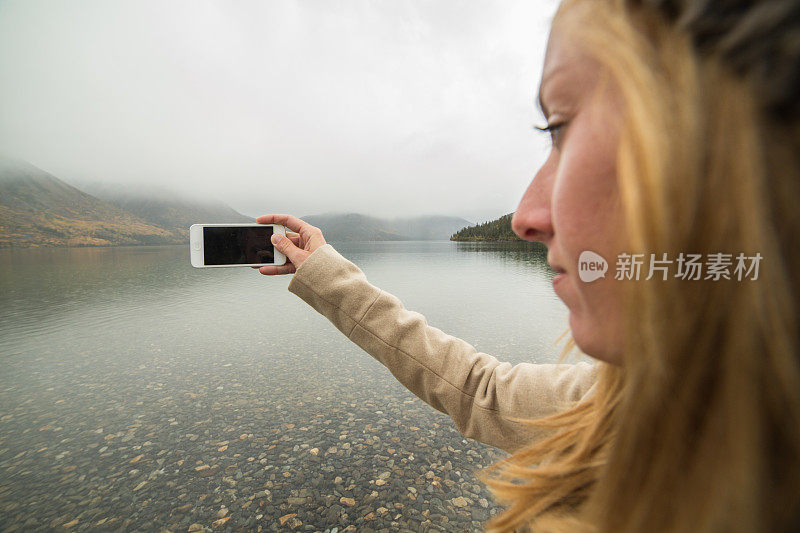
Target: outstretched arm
480,393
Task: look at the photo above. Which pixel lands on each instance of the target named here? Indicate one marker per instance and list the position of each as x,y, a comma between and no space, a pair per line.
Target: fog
387,108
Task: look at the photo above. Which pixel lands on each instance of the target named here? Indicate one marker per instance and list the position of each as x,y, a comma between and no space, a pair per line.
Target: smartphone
227,245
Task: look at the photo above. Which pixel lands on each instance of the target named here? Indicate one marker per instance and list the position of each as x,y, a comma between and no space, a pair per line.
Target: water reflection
497,296
38,287
531,253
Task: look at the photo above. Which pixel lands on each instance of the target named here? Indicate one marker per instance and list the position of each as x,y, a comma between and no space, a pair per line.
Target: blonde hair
699,429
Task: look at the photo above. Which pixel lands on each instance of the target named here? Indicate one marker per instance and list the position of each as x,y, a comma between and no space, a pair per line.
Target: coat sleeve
481,394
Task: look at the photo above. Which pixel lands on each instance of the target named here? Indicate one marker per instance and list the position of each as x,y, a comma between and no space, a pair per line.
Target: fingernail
276,239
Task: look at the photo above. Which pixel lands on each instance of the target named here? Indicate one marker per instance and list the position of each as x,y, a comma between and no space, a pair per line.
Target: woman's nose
532,220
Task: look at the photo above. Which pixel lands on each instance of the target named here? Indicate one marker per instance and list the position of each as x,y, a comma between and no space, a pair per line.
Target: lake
139,393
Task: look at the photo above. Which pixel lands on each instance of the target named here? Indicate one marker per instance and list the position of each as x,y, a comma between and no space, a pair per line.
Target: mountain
165,209
354,227
38,209
494,230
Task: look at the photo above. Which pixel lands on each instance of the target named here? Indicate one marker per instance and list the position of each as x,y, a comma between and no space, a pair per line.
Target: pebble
286,518
176,454
460,501
216,524
350,502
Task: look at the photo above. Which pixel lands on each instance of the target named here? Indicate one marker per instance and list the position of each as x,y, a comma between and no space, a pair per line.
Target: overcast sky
382,107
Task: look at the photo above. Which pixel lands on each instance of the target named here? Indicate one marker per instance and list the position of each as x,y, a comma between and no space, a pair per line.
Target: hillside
38,209
355,227
494,230
165,209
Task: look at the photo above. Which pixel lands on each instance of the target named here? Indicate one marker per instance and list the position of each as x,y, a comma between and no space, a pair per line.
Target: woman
675,134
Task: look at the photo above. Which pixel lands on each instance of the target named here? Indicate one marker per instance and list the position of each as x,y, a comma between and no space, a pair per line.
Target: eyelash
552,129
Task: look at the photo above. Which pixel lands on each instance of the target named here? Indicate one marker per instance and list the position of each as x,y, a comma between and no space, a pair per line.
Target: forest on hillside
494,230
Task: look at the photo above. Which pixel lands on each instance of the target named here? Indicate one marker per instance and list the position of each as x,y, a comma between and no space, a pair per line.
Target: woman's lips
555,266
560,272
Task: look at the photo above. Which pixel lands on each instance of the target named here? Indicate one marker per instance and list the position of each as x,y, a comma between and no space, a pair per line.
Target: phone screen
232,245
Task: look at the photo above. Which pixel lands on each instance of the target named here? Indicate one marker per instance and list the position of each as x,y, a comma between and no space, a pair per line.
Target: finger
287,247
290,221
272,270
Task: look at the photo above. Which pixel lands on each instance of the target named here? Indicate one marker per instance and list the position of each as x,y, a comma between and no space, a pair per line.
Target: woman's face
572,205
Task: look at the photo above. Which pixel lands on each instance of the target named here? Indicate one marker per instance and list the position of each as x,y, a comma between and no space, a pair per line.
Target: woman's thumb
285,246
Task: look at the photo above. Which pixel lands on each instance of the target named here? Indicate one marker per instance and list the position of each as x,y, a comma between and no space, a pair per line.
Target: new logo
591,266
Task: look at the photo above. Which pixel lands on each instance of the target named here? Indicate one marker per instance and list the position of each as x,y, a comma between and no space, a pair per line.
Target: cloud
389,108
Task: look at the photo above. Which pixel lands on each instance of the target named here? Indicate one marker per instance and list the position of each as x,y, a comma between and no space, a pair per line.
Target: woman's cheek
571,218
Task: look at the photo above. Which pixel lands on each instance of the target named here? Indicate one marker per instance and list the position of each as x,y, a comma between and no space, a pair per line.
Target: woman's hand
296,246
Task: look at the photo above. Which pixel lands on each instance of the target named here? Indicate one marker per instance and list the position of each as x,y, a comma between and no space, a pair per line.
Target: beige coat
479,392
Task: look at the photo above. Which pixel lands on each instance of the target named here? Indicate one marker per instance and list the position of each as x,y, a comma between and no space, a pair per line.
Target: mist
386,108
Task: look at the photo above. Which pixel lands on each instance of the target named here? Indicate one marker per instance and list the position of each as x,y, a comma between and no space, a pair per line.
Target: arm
479,392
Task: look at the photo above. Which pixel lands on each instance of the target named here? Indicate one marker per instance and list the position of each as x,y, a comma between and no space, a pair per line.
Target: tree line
494,230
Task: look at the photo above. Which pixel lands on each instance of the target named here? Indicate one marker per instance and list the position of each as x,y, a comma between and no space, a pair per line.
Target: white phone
226,245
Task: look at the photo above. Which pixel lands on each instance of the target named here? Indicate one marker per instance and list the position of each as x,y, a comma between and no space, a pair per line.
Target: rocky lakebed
159,446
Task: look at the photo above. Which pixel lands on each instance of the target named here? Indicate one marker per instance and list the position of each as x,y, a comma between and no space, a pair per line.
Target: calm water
112,353
123,304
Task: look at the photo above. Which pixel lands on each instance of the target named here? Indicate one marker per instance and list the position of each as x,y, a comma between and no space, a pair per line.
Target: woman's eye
555,131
